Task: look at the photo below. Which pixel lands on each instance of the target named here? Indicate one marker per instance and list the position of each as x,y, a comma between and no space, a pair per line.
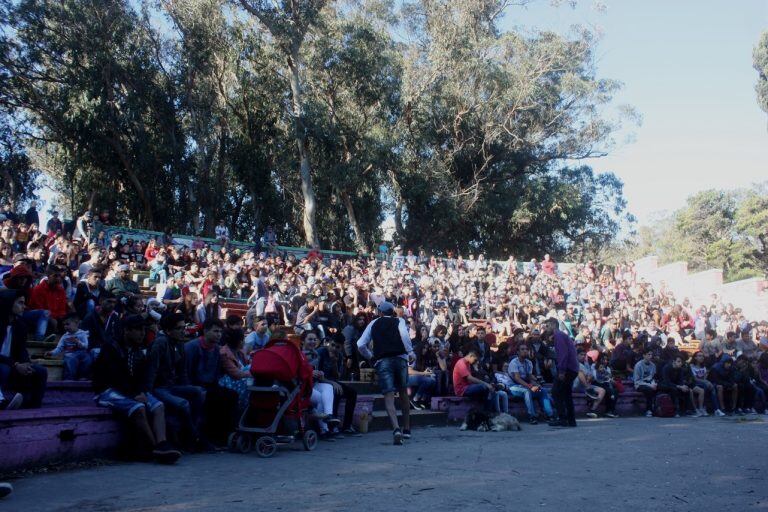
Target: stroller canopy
280,360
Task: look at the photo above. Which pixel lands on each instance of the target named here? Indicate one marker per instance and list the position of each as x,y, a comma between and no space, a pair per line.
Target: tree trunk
91,201
148,212
398,204
305,169
11,185
359,240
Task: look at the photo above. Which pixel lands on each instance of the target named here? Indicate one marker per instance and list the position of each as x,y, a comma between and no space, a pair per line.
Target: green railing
191,241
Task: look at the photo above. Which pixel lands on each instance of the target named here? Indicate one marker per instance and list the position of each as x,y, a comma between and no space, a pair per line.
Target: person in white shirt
222,232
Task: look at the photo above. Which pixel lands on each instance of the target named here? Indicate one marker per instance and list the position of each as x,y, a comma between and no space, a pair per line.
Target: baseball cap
386,307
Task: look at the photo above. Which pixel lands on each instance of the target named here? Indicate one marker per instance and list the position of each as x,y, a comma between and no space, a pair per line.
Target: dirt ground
629,464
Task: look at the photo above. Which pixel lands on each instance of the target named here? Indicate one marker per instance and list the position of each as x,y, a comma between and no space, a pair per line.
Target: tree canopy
760,57
322,118
715,229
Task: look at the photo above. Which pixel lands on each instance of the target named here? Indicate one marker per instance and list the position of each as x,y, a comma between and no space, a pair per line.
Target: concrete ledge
30,437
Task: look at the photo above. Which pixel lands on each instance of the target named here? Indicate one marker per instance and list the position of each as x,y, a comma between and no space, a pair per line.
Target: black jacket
18,343
167,363
112,370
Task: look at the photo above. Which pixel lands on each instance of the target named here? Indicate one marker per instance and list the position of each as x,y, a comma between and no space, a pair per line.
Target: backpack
663,406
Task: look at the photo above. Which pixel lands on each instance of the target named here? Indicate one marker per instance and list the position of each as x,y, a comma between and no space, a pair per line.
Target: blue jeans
77,365
392,373
32,387
158,275
541,395
424,384
37,322
710,388
187,403
497,401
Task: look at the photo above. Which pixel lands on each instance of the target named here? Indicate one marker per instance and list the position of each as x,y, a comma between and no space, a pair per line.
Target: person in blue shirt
524,384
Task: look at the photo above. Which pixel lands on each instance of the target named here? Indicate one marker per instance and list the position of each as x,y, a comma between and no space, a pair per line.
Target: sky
687,69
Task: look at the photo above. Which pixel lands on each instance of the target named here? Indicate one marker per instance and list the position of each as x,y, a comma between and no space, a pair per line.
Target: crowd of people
486,330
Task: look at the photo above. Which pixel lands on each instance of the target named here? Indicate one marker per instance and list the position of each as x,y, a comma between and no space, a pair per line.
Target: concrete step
38,348
380,420
55,367
68,392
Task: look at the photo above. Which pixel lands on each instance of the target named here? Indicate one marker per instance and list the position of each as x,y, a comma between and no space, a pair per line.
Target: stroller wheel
232,441
244,443
266,447
309,440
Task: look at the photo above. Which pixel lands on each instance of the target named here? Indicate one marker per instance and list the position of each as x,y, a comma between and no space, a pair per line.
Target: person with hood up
16,370
723,376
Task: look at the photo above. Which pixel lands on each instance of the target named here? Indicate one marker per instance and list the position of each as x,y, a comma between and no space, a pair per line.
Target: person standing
32,216
392,352
567,371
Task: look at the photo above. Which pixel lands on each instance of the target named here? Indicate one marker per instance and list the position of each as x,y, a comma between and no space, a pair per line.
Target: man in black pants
567,371
329,362
673,383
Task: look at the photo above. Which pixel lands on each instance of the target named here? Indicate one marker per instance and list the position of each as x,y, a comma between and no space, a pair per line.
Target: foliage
322,118
715,229
760,58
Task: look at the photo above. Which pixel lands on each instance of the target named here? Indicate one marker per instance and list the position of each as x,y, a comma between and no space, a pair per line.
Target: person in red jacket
50,296
314,254
151,252
548,265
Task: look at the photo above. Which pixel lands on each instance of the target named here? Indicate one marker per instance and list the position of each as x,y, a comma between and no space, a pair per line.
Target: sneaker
719,413
533,421
612,415
696,413
351,431
751,411
416,405
13,403
165,453
332,421
591,414
704,413
649,414
677,415
741,412
406,433
5,489
397,437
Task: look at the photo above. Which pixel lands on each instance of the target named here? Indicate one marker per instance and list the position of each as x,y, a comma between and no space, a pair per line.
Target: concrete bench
628,403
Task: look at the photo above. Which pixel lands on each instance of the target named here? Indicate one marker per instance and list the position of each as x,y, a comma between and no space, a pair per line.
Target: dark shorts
392,373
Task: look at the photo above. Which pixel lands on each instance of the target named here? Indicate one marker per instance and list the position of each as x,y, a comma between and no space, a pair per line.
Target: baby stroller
279,401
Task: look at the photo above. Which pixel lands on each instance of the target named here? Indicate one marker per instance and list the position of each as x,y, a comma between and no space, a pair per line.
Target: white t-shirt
222,231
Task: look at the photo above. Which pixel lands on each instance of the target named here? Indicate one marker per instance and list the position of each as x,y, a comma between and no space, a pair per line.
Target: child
604,379
74,345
